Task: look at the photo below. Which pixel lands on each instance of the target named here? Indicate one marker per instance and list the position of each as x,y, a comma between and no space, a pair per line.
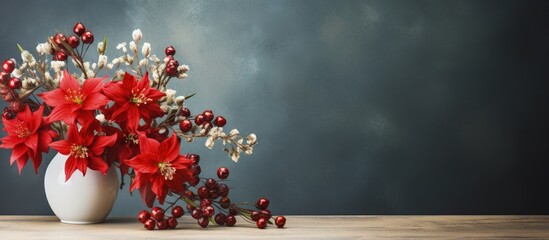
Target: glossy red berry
74,41
195,181
255,215
233,211
61,56
280,221
220,121
8,114
79,29
203,222
171,71
157,213
170,51
4,77
177,212
225,202
8,66
261,223
208,115
199,119
208,211
87,37
162,224
172,222
205,202
222,173
143,216
222,189
16,106
220,218
262,203
265,214
15,83
211,183
59,39
207,126
196,213
186,125
230,220
203,192
185,112
214,194
196,169
150,224
195,158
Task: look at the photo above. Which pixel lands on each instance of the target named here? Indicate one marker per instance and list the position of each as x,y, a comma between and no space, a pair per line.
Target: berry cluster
171,63
60,42
8,87
208,203
205,120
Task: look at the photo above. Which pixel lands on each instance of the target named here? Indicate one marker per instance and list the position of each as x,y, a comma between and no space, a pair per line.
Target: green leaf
104,45
190,96
20,48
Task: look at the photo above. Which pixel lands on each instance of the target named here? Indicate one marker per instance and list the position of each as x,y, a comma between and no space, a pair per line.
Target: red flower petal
100,142
70,167
92,85
68,82
144,163
97,163
62,146
54,97
95,101
169,149
148,145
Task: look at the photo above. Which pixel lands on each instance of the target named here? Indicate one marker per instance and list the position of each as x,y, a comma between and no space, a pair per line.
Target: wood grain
298,227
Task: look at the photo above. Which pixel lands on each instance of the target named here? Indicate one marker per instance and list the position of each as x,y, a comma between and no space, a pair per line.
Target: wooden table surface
298,227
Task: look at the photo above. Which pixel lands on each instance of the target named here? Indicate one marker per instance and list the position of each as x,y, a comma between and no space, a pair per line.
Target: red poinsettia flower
71,102
159,168
28,136
125,147
133,100
85,149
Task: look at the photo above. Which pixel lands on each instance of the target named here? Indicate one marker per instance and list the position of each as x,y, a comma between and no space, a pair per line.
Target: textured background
361,107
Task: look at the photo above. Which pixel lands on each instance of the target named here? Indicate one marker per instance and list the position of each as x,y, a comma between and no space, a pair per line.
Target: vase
81,199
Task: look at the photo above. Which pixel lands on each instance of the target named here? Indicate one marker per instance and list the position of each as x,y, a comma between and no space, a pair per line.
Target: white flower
100,118
100,47
251,139
43,48
102,61
94,66
28,58
133,47
57,65
18,72
249,151
165,108
122,46
162,130
146,49
170,94
235,155
209,142
182,75
116,61
143,62
183,68
234,132
110,66
119,74
129,60
179,100
137,35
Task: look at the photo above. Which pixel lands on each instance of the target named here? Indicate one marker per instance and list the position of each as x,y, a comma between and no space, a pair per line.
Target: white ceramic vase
80,200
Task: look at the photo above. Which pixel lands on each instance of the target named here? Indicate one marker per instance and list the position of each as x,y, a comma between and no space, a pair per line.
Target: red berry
79,29
261,223
220,218
171,71
233,211
59,39
207,126
170,51
16,106
185,125
172,222
211,183
87,37
15,83
8,66
9,115
199,119
205,202
8,96
197,213
203,192
262,203
230,220
223,189
225,202
4,77
255,215
220,121
185,112
208,211
162,224
265,214
61,56
143,216
74,41
157,213
222,173
195,181
203,222
280,221
150,224
196,169
195,158
190,208
177,211
208,115
214,194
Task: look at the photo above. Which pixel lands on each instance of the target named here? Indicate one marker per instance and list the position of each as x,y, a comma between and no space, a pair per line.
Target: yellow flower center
138,97
132,138
166,170
74,96
22,131
79,151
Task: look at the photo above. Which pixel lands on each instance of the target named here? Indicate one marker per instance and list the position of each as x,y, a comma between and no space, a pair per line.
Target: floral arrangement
131,120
